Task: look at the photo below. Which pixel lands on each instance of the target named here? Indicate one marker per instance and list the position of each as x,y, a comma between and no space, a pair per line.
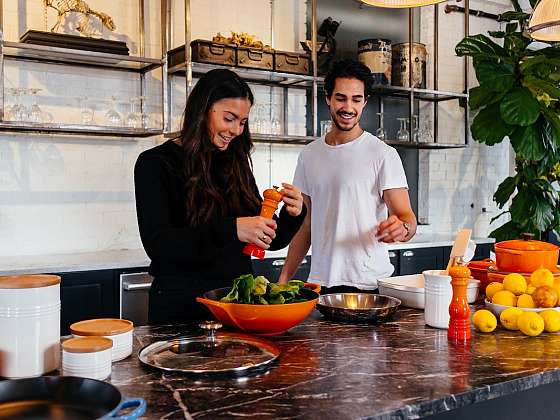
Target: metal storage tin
291,62
376,54
255,59
401,66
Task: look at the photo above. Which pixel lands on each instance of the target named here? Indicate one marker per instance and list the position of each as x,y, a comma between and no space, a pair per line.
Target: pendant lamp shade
544,24
399,4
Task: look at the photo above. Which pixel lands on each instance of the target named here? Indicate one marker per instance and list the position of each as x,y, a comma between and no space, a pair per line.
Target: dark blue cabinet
87,295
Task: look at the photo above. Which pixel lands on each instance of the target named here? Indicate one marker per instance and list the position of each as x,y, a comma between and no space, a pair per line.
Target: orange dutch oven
526,255
261,319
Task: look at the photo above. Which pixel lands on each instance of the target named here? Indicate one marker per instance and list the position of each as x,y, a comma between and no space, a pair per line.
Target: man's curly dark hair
349,69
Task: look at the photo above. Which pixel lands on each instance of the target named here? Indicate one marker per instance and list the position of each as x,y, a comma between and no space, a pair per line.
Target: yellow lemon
556,286
530,323
515,283
530,289
504,297
551,320
485,321
492,288
509,318
542,277
525,301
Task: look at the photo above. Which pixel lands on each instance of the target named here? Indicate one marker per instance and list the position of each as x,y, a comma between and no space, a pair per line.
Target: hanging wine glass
381,133
35,112
86,111
133,118
10,111
402,134
114,118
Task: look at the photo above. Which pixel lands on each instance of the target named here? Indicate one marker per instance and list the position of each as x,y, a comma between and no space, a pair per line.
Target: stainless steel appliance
134,294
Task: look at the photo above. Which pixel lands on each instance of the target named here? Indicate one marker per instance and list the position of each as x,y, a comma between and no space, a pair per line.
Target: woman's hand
292,199
256,230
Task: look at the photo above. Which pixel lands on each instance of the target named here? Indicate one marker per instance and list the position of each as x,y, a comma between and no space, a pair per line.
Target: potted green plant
519,97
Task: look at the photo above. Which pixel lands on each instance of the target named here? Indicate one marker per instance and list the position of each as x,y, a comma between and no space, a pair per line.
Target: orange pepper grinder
272,198
459,311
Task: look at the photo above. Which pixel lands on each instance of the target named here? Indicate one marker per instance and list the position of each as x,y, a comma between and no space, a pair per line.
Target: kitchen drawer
414,261
87,295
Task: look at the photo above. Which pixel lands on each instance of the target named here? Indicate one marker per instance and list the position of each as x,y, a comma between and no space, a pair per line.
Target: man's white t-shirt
346,184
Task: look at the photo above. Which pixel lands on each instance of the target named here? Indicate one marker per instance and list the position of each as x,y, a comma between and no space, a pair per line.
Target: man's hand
292,199
391,230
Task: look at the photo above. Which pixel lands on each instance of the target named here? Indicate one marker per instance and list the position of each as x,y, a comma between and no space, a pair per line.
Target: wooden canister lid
102,326
87,344
28,281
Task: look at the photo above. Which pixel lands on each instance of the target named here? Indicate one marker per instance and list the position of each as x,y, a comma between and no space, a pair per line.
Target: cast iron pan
64,398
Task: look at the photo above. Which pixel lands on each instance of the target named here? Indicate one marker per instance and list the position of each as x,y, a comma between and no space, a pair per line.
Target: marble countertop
106,260
398,370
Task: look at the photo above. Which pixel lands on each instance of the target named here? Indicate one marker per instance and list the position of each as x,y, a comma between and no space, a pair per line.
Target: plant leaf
488,126
552,52
497,34
494,76
508,230
528,143
511,15
480,96
543,214
519,107
480,45
521,206
516,42
505,190
511,27
536,83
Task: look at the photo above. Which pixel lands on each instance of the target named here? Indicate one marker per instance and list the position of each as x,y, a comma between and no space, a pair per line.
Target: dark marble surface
401,369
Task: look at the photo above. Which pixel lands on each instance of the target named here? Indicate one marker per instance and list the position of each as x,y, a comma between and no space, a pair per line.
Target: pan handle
224,307
139,403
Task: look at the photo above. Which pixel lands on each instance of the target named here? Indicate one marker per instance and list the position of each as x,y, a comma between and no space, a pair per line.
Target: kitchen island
397,370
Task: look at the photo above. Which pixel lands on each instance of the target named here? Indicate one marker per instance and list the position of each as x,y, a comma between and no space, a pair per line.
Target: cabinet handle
408,254
137,286
280,263
392,254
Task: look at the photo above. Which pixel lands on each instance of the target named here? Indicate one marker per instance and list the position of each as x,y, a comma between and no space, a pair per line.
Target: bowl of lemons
529,306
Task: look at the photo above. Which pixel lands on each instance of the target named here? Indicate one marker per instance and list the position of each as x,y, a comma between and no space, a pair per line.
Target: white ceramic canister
118,330
438,295
29,325
87,357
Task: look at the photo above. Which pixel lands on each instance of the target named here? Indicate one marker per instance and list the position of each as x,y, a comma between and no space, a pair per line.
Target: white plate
498,309
410,289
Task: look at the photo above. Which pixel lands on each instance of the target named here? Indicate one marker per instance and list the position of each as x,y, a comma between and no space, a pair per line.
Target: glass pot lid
213,353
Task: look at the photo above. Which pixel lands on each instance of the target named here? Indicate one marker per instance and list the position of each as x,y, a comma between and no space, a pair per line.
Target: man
355,190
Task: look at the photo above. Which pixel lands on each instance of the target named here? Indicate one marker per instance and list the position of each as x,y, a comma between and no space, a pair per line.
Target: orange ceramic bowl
261,319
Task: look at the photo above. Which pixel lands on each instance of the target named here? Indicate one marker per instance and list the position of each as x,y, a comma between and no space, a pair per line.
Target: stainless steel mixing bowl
357,307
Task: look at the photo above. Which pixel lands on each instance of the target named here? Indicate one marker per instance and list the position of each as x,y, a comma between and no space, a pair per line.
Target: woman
197,201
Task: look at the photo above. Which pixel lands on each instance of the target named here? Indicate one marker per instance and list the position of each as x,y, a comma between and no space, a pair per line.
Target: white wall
457,184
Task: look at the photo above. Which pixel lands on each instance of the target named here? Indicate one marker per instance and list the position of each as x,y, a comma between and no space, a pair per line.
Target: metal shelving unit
141,65
191,69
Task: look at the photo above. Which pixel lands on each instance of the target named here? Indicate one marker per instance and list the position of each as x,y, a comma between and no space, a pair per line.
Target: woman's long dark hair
217,183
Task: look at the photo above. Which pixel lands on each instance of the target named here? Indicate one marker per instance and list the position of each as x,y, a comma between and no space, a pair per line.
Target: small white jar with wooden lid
29,325
87,357
118,330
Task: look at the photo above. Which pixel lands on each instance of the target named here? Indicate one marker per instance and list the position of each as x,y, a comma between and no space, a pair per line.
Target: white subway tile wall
62,194
456,185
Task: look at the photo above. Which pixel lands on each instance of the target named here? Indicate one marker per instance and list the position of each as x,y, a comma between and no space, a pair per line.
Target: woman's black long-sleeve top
187,261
